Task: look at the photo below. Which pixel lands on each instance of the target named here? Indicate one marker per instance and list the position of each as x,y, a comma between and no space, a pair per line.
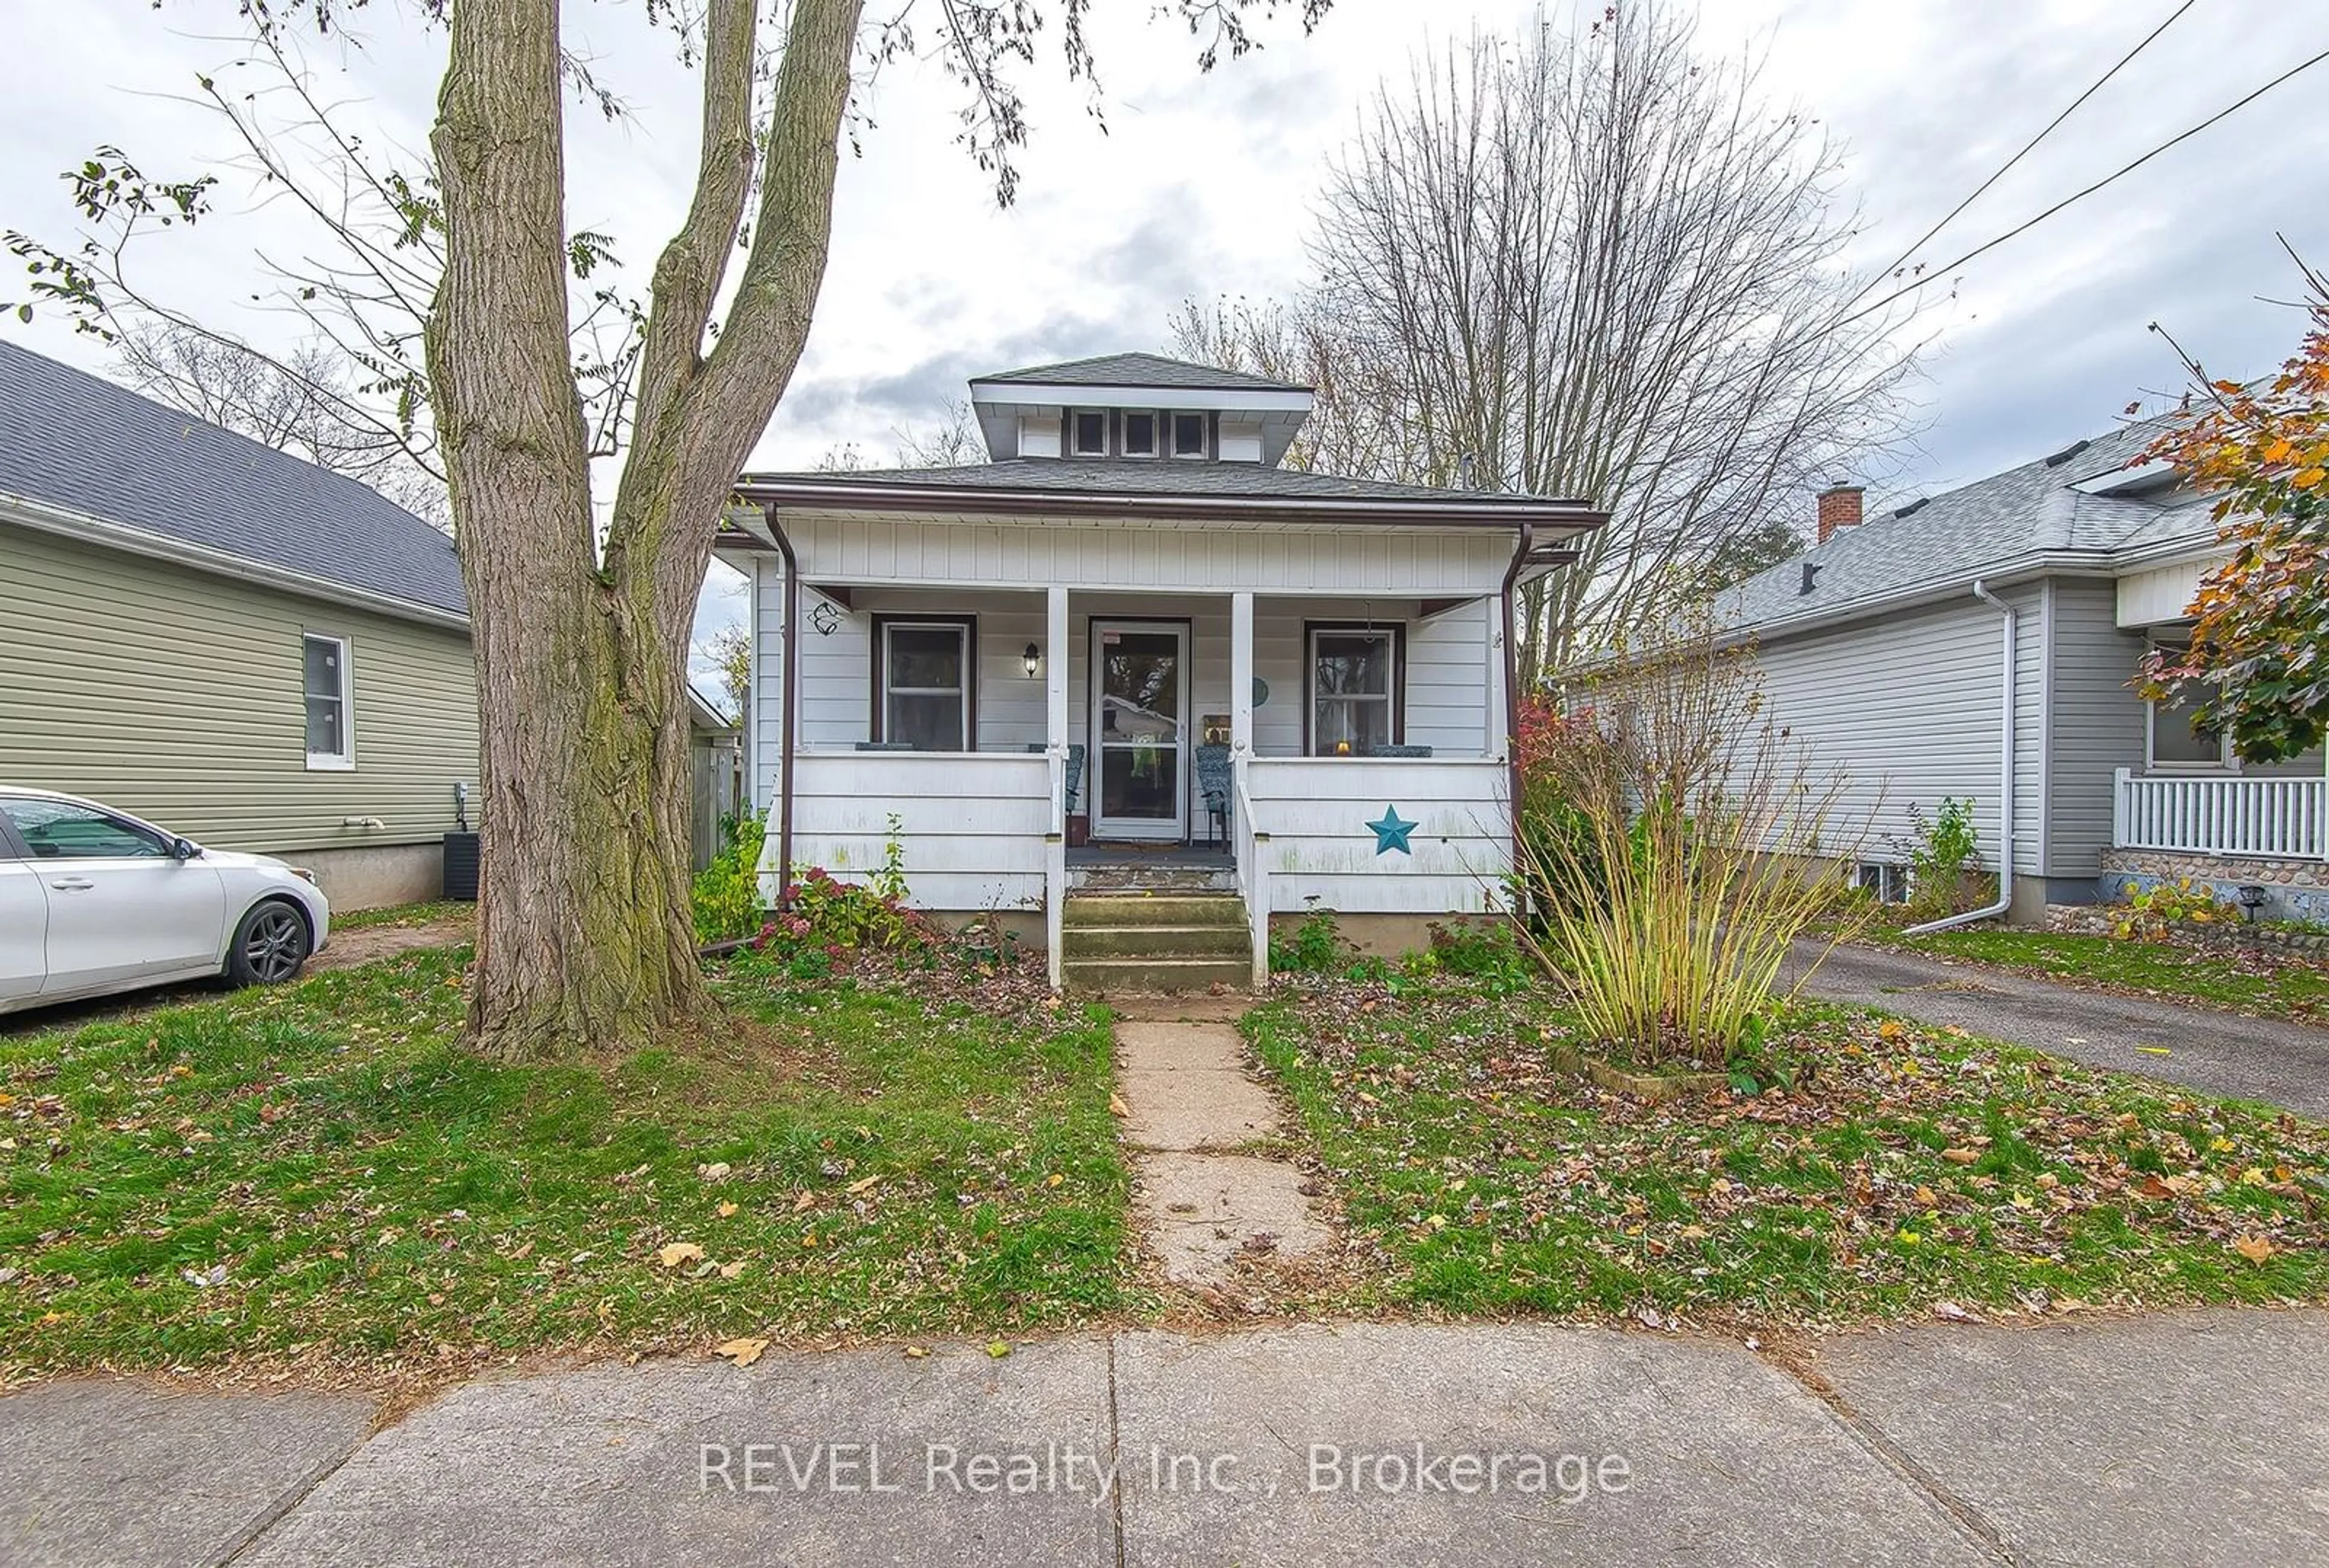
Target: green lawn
403,914
321,1173
2283,987
1912,1168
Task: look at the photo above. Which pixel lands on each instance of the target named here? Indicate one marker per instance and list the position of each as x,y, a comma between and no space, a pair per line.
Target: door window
60,830
1140,727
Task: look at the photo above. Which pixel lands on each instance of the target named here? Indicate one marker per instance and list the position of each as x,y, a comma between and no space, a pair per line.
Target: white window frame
2225,761
344,761
966,640
1205,439
1123,434
1076,449
1389,698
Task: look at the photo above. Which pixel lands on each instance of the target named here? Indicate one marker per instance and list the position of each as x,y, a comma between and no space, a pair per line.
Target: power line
2027,147
2113,177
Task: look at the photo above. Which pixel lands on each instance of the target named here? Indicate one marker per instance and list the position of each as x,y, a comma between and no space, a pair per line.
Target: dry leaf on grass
1116,1105
679,1252
866,1185
2254,1249
742,1351
727,1211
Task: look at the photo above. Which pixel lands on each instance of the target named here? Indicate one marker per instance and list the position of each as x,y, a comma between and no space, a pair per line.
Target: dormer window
1139,435
1188,435
1091,434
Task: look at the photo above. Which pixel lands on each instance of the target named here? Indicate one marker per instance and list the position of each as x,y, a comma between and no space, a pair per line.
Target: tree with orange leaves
2258,660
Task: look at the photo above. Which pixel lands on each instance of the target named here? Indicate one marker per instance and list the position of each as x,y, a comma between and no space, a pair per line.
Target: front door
1140,704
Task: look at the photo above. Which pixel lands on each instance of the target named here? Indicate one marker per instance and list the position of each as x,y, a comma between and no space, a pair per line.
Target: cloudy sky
1204,185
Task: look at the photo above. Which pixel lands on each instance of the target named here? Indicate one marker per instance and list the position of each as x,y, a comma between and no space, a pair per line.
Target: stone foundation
2295,889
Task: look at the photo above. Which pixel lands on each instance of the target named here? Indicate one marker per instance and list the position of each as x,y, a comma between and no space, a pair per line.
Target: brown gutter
998,501
791,687
1521,550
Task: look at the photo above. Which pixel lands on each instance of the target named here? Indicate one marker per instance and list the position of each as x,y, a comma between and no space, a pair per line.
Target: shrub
1315,948
1488,953
1704,846
2153,913
824,913
726,895
1941,851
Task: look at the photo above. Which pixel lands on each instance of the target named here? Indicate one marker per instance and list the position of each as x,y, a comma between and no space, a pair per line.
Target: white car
94,901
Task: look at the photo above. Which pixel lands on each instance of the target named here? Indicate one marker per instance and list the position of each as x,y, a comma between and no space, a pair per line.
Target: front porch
1006,751
2260,840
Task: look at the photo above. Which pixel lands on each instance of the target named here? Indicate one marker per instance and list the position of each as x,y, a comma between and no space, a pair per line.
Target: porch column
1055,735
1240,675
1253,878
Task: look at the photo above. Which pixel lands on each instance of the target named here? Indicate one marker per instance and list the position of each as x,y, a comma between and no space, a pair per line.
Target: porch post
1252,876
1055,747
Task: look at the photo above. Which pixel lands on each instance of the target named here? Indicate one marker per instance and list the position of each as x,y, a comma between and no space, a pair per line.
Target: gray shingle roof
1979,527
1156,477
1150,370
78,442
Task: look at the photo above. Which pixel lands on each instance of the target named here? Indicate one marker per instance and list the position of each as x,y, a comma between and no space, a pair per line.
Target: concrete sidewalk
2192,1438
2280,1063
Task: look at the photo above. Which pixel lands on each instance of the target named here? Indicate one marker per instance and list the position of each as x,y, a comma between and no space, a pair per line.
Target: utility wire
2027,147
2076,196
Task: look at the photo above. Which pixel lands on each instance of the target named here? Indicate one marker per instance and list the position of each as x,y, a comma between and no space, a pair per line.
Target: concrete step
1103,977
1155,941
1151,879
1120,910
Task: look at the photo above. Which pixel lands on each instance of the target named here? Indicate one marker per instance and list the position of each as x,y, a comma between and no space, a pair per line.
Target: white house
1135,653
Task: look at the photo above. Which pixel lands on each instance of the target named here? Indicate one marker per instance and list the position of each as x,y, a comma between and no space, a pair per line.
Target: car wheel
270,945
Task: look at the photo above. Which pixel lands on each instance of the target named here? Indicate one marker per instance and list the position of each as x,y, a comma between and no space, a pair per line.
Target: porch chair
1394,750
1074,772
1214,781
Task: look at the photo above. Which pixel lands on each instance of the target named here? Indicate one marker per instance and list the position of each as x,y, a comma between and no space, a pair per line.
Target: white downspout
2005,787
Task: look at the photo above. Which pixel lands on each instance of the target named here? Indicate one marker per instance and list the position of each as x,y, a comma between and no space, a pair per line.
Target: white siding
1385,563
2162,595
1447,658
971,827
1909,709
1320,847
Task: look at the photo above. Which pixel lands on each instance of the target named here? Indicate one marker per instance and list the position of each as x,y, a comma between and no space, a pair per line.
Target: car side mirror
184,849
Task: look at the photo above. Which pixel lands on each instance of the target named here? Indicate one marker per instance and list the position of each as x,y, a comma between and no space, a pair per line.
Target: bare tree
300,405
1598,265
953,442
584,935
1354,426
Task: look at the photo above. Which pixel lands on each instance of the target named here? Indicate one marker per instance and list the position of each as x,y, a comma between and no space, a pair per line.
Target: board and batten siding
1910,708
177,694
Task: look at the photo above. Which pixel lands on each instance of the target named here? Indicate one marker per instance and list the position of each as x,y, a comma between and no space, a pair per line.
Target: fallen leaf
717,1171
679,1252
727,1211
1054,1179
999,1348
1116,1105
1959,1156
742,1351
804,1201
2254,1249
1950,1312
730,1270
863,1186
1927,1197
918,1353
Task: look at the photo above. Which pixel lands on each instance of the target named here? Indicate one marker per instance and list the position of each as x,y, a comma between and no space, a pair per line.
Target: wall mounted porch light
1034,661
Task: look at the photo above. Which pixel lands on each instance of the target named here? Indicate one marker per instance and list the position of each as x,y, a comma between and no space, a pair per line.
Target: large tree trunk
585,938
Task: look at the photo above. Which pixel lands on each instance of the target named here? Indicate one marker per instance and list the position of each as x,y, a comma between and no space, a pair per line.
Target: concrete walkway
1191,1109
2282,1063
2192,1438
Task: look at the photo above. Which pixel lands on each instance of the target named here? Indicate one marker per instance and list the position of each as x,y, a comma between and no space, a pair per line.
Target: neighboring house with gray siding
243,647
1884,649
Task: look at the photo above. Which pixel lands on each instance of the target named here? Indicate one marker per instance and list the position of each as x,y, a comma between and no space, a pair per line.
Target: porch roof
1164,489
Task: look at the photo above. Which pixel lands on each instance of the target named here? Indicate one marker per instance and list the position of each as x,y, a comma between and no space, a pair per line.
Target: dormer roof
1150,372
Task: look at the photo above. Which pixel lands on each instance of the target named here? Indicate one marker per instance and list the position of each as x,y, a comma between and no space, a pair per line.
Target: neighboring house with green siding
245,648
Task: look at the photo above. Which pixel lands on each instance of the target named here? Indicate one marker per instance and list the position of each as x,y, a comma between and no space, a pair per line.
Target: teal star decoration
1391,833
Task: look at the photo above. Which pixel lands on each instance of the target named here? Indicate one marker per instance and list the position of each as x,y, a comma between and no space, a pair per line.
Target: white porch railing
1326,834
971,825
2260,818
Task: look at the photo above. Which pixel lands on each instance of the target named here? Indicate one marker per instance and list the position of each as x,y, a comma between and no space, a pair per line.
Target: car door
24,925
121,906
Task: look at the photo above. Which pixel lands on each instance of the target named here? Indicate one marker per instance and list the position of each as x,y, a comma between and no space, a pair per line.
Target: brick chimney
1839,507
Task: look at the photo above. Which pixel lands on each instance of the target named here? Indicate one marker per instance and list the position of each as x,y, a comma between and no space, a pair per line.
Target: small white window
1354,686
1139,435
331,736
1188,435
926,685
1091,434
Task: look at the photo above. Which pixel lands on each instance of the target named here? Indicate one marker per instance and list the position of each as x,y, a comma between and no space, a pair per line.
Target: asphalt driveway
2280,1063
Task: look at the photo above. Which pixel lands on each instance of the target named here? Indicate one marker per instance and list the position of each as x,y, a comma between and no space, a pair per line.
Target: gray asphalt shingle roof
1978,527
1150,370
80,442
1132,476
